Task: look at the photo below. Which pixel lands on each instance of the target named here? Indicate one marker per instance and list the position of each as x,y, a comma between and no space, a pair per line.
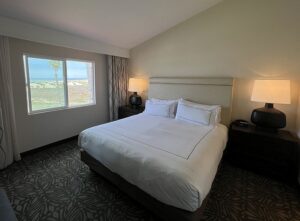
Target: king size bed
166,163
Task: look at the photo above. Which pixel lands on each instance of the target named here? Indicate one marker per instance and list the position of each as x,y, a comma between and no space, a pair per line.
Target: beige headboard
201,90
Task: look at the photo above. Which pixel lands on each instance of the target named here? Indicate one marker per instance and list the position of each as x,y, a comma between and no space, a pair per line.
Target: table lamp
136,85
270,92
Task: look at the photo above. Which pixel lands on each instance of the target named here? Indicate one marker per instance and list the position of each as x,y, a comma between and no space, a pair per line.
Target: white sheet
173,161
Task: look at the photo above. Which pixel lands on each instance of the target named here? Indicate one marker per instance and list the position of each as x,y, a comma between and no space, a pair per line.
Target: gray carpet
53,184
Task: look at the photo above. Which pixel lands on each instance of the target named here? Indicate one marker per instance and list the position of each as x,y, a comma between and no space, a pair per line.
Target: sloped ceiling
123,23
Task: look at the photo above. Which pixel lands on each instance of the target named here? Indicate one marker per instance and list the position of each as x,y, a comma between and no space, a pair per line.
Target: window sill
59,109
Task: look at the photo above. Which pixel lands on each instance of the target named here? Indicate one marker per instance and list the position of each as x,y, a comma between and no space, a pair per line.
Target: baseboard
29,152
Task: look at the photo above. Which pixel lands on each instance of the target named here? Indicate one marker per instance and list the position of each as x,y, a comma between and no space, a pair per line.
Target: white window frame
65,78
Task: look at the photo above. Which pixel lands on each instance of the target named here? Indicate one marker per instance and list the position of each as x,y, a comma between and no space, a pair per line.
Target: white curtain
117,84
8,146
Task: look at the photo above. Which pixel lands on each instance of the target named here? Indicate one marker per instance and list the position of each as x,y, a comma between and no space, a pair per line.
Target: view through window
58,83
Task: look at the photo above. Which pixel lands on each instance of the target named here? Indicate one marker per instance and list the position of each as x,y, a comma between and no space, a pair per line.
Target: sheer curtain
117,84
8,146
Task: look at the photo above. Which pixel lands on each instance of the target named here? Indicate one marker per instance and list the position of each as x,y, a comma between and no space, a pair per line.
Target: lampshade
272,91
137,85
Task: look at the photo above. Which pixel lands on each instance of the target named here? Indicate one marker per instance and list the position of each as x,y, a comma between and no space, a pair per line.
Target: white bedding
173,161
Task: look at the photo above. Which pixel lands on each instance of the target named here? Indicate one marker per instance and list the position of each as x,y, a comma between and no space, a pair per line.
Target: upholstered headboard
201,90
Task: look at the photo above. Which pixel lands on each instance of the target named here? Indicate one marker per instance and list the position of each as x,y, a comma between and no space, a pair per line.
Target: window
58,83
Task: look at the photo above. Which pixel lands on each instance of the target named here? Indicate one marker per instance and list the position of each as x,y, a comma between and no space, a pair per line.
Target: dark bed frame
161,210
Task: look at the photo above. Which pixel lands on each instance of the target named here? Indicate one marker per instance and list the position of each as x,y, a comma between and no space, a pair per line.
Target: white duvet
173,161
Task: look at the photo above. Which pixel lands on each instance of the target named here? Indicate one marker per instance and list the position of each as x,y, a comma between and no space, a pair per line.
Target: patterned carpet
54,184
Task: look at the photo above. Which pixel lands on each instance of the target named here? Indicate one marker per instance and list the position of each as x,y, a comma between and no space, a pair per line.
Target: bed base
161,210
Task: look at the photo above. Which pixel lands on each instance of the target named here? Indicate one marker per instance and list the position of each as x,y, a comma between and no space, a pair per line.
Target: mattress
172,160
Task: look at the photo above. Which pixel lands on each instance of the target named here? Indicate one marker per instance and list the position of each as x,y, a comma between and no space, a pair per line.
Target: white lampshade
137,85
272,91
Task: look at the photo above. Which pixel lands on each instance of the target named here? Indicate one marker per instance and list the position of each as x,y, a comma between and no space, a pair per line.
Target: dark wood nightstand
128,110
273,154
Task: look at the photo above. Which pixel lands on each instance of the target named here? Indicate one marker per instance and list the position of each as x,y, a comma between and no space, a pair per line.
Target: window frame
66,106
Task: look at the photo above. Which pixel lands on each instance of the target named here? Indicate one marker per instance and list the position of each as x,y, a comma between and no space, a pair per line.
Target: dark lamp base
268,118
135,99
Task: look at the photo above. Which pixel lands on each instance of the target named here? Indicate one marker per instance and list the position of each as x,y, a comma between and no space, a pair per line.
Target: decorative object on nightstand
136,85
272,154
270,91
129,110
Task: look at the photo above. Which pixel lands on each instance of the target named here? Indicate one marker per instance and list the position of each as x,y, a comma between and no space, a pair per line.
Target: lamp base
268,118
135,99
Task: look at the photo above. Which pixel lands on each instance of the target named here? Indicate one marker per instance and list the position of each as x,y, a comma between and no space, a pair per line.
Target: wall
298,116
40,129
26,31
249,39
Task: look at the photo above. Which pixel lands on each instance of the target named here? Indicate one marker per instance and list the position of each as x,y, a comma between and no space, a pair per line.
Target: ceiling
123,23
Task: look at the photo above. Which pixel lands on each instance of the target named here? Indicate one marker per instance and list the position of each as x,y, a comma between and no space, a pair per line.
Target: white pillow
157,109
172,103
198,113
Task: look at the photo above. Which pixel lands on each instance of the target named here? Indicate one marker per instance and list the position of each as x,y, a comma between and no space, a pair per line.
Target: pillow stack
184,110
163,108
198,113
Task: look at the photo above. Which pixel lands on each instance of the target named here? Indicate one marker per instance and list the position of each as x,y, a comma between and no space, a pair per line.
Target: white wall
26,31
249,39
40,129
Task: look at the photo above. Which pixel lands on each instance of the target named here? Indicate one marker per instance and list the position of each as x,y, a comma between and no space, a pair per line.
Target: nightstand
272,154
128,110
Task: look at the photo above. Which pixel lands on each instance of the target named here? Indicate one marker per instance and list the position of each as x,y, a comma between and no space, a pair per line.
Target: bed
165,164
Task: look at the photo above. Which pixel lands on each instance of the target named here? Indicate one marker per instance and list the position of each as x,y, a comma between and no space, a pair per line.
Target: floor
53,184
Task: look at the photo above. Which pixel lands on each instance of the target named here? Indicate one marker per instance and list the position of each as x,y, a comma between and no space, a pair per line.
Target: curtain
8,146
117,84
